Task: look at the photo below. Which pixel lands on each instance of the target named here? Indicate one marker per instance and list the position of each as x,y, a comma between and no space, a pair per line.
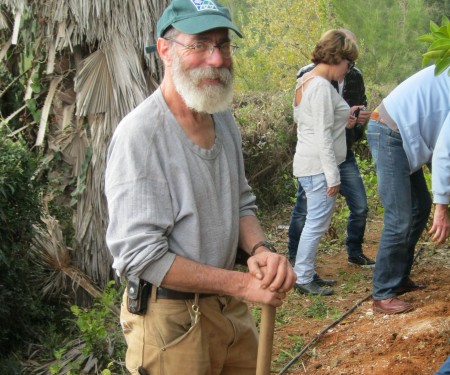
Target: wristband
265,244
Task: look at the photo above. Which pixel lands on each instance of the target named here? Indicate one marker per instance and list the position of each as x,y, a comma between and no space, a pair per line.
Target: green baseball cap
195,17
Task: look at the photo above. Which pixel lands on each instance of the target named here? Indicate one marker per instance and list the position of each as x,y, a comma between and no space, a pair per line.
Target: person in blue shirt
408,130
445,368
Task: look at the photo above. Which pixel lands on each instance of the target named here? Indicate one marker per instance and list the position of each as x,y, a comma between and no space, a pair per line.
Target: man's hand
274,271
441,224
254,292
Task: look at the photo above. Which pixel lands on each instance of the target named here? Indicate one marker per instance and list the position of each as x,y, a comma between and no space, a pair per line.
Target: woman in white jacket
321,115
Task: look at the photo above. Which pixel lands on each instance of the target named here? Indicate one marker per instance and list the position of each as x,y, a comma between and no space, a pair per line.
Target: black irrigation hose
320,334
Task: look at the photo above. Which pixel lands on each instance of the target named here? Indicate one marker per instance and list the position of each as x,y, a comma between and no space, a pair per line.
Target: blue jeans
445,368
352,188
407,205
320,210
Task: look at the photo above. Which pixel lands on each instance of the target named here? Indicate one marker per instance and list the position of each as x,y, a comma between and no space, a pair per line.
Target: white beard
207,98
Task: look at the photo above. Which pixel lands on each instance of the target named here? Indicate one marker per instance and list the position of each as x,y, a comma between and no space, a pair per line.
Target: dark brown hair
333,47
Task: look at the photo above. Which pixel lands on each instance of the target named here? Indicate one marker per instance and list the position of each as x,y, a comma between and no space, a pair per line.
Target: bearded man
180,206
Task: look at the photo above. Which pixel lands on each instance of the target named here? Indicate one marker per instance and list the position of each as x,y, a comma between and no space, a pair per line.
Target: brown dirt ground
365,342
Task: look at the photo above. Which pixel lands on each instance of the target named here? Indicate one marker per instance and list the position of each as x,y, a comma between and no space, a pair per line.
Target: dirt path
414,343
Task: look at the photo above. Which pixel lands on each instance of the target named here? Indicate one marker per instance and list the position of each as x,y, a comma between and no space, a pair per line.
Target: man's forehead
221,33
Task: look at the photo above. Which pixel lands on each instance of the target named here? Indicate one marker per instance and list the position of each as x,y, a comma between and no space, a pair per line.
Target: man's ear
164,50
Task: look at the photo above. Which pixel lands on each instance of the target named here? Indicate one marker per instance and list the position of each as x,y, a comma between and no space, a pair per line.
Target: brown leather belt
139,289
165,293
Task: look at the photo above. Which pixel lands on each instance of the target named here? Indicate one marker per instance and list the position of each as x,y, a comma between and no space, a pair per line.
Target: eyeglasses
226,49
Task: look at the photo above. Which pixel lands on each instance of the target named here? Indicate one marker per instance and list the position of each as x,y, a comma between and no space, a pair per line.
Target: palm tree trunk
100,72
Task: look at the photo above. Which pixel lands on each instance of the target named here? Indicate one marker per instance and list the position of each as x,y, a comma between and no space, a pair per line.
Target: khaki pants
171,339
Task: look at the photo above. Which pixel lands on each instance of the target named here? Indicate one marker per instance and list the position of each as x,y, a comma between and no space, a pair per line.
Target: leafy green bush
19,209
439,46
276,43
19,203
102,337
269,138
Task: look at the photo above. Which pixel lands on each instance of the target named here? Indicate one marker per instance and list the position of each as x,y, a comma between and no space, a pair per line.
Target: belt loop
153,293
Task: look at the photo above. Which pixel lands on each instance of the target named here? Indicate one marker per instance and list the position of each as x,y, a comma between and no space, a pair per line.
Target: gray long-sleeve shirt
167,196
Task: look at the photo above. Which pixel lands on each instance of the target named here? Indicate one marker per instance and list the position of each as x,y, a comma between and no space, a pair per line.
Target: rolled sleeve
440,178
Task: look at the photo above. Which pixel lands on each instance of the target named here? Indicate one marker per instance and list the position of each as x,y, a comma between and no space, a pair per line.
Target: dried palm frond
29,90
4,49
50,252
71,143
51,57
46,110
93,85
111,80
3,21
75,354
15,34
129,85
16,7
66,363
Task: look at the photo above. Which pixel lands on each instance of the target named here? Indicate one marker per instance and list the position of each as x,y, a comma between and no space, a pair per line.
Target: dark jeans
407,205
445,368
352,188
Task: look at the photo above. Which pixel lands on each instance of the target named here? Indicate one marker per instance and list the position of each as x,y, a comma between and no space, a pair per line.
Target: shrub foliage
19,209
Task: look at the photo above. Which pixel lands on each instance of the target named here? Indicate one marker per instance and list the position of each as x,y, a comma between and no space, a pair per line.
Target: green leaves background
439,46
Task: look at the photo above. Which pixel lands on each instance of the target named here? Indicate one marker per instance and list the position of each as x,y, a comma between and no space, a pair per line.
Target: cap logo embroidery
204,5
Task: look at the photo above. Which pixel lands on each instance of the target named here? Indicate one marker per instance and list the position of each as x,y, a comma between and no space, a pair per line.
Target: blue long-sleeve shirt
420,106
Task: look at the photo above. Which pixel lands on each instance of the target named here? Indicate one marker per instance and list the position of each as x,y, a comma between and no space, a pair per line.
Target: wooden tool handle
267,326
